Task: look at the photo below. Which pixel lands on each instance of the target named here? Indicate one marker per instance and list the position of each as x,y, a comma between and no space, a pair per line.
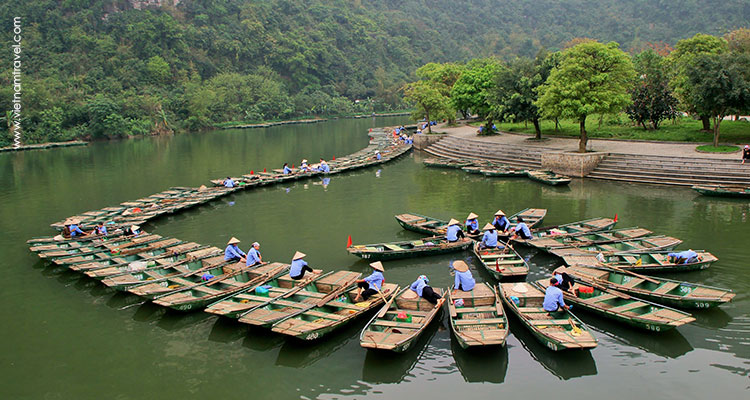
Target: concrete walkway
607,146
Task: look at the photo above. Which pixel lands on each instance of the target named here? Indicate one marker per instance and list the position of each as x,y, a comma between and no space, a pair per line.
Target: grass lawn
684,130
709,148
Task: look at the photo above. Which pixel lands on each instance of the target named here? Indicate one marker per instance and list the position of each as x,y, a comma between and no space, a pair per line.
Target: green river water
65,336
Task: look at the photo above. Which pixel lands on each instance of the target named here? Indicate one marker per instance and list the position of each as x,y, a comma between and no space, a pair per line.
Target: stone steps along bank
679,171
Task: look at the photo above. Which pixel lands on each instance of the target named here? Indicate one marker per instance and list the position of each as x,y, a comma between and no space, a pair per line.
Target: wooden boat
58,242
176,277
409,248
640,245
116,253
481,320
236,305
89,246
646,262
474,169
587,239
386,332
199,295
432,226
626,309
557,330
102,268
548,177
322,291
573,228
445,163
502,263
663,291
319,321
723,190
504,171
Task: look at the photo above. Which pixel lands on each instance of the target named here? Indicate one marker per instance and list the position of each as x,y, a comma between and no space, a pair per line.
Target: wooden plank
663,289
486,321
628,307
396,324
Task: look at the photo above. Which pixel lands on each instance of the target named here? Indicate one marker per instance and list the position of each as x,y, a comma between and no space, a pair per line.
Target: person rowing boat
489,239
501,221
372,284
232,252
299,267
472,224
453,232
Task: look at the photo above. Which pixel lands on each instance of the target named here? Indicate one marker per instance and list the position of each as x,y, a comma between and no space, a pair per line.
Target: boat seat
396,324
486,321
460,310
525,310
663,289
324,315
413,313
628,307
490,256
393,247
660,258
633,282
603,297
549,322
630,259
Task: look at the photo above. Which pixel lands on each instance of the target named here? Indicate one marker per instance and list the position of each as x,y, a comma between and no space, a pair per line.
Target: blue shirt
303,165
472,224
101,230
75,230
685,255
233,251
287,170
452,233
375,280
553,299
501,223
228,183
296,268
418,286
465,280
524,229
324,168
378,156
253,257
490,238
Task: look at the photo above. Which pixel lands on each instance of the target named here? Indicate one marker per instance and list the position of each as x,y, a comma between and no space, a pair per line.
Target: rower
323,167
303,166
134,230
489,239
229,183
453,232
472,225
253,255
72,225
553,297
99,230
377,155
299,267
683,257
423,290
501,221
521,230
287,170
372,284
464,280
232,252
566,281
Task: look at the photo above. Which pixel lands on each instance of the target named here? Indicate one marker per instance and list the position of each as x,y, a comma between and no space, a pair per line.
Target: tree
428,99
652,98
445,75
721,85
471,89
592,78
738,40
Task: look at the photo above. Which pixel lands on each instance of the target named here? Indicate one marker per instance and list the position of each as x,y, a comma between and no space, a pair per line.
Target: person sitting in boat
134,230
323,167
372,284
287,170
501,221
489,239
472,224
228,182
99,230
253,255
73,228
377,155
683,257
566,281
521,230
232,252
303,166
553,297
423,290
453,232
299,267
464,280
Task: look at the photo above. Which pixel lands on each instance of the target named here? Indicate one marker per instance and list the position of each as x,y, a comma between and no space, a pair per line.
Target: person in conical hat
472,225
299,267
377,155
453,232
372,284
464,280
232,252
489,239
425,291
253,255
303,166
501,221
73,228
323,167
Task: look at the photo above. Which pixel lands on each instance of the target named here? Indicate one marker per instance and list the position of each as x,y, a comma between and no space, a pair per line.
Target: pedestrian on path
745,154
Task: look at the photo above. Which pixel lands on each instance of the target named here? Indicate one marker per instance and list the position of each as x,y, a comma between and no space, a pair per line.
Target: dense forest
114,68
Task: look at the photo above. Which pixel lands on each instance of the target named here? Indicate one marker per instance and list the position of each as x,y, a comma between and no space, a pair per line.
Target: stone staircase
516,156
682,171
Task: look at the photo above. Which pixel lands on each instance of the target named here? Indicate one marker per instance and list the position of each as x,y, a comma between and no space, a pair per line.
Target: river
65,336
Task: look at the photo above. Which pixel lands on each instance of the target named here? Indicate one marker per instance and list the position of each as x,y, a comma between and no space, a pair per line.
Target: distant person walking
745,154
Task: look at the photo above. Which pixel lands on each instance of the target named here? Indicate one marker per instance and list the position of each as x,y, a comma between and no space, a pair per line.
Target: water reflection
175,320
226,330
485,364
389,367
260,339
670,344
298,353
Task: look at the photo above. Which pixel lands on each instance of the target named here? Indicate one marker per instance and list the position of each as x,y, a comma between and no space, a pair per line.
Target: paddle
576,330
387,305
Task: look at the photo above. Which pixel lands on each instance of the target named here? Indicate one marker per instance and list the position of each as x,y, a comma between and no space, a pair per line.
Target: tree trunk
601,119
717,123
706,123
488,127
557,125
429,126
537,129
584,139
643,124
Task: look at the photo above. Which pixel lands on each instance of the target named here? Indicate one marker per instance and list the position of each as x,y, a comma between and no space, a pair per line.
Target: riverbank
42,146
249,125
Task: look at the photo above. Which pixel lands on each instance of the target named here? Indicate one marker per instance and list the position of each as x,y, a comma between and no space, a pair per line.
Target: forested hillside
110,68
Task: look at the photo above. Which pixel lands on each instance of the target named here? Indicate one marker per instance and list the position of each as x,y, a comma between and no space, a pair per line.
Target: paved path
607,146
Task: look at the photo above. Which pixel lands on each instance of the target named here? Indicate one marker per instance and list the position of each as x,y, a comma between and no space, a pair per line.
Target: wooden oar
387,305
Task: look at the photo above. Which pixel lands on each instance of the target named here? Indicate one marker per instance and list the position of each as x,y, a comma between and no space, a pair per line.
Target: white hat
304,160
255,244
472,216
233,240
452,222
134,228
298,255
499,212
488,227
378,266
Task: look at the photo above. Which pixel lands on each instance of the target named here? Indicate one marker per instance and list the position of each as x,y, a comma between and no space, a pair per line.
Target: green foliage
709,148
158,69
428,98
469,93
652,98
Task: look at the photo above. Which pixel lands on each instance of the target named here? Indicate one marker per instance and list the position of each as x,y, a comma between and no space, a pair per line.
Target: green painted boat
89,247
58,242
167,280
445,163
639,245
112,266
431,226
502,263
386,331
663,291
624,308
481,320
548,177
199,295
474,169
723,190
558,330
116,254
646,262
572,228
504,171
409,248
587,239
317,322
322,291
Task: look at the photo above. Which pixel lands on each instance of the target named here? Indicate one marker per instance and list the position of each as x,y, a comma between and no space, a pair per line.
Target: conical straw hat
233,240
452,222
377,265
472,216
134,228
500,212
298,255
488,227
460,266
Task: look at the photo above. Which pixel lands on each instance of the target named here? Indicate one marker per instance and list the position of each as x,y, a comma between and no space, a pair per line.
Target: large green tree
592,78
428,99
652,98
470,92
